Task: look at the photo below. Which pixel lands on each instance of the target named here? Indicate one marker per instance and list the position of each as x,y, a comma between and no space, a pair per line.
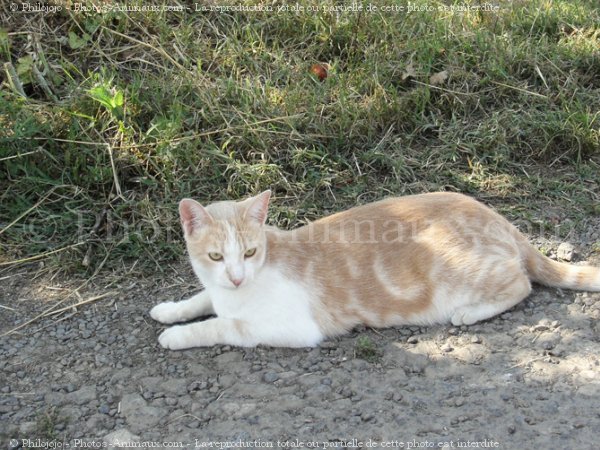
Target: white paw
167,312
465,316
461,317
174,338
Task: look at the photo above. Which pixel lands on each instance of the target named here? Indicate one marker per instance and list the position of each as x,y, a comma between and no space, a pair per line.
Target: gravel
99,375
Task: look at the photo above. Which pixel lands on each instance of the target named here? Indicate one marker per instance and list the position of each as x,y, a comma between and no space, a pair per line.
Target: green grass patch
108,119
365,348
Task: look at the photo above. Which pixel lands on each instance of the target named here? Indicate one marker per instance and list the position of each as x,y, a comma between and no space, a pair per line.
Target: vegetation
108,118
365,348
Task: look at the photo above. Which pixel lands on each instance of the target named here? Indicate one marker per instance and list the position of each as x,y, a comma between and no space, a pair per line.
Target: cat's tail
543,270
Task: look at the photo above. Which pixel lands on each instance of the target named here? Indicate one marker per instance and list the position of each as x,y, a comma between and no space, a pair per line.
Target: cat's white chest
278,308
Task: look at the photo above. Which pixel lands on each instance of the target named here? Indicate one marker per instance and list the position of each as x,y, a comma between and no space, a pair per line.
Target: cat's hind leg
511,293
172,312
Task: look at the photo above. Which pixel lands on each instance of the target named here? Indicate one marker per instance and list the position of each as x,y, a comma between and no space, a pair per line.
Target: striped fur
422,259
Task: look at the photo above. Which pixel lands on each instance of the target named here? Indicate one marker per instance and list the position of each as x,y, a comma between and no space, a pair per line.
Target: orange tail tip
543,270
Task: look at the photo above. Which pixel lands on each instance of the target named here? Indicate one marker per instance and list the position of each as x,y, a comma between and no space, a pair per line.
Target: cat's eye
250,253
215,256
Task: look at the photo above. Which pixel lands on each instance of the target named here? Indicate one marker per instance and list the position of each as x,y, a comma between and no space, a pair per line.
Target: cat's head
226,240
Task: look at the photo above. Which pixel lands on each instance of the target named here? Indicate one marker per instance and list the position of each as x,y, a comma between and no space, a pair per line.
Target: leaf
24,65
117,100
439,78
101,95
76,42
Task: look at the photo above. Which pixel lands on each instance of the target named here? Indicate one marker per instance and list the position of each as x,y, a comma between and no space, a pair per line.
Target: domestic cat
421,259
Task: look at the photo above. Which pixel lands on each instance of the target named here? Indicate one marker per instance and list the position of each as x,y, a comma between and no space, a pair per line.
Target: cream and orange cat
421,259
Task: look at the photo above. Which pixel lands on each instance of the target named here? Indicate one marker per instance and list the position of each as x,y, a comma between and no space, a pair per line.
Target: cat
414,260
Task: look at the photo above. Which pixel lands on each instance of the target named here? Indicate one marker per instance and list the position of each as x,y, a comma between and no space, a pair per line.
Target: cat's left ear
259,205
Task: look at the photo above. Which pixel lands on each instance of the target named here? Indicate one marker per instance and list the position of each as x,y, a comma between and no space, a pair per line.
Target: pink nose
236,281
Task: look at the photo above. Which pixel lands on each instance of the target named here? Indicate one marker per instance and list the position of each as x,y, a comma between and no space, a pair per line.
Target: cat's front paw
167,313
174,338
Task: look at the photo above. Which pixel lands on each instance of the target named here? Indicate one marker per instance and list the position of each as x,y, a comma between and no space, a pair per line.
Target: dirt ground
95,377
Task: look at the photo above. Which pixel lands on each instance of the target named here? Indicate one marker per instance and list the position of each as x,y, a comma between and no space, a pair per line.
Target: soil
95,376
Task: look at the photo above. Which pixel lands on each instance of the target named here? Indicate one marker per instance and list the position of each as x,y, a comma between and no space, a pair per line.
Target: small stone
446,348
367,416
475,339
412,340
547,345
270,377
82,396
138,414
453,331
328,345
565,251
104,409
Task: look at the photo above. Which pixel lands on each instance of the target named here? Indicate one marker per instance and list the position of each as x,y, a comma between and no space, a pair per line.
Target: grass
365,348
46,424
108,119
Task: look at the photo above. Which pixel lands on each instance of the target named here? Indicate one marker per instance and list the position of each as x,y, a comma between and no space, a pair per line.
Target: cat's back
401,214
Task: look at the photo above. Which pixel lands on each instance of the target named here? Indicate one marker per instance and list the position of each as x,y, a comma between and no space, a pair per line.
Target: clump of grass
121,114
46,424
365,348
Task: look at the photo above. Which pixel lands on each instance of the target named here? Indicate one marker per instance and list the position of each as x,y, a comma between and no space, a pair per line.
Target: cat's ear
193,215
258,207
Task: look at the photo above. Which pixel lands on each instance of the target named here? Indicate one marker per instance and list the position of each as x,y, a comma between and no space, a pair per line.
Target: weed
46,424
365,348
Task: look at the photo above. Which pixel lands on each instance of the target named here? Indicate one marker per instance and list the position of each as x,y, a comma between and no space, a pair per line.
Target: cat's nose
236,281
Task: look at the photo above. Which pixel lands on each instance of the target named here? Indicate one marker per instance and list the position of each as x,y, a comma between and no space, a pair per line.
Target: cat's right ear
193,215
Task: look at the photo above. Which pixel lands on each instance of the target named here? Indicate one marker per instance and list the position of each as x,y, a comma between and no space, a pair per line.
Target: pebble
270,377
104,409
412,340
475,339
565,251
446,348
